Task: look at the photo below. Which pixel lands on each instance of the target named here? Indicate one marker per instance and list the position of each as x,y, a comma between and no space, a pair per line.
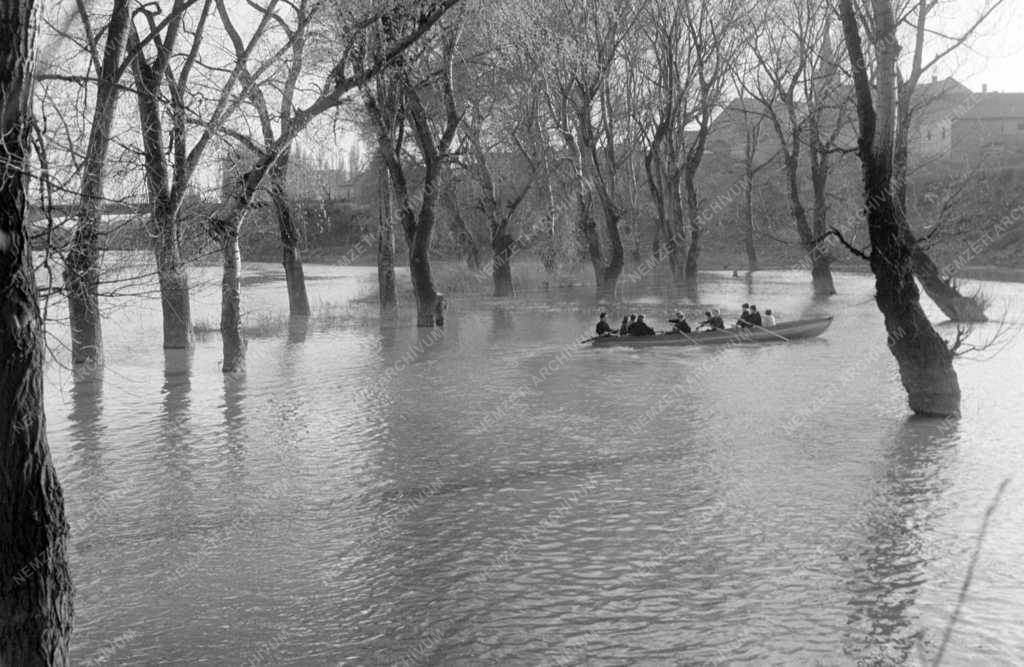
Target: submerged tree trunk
693,253
173,279
291,255
821,273
82,268
748,219
925,362
422,282
230,304
35,584
387,288
502,246
171,271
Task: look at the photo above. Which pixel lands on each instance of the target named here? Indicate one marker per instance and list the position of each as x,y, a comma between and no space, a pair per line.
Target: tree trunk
230,304
748,227
82,268
291,256
419,268
925,362
943,292
386,286
821,257
821,274
173,278
36,608
693,253
502,268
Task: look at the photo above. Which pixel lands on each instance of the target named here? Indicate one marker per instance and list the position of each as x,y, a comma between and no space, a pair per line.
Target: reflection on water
891,559
490,493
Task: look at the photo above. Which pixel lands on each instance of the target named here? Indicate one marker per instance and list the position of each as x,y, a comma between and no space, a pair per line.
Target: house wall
977,138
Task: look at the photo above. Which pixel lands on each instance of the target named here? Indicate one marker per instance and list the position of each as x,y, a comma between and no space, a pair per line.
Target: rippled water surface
500,495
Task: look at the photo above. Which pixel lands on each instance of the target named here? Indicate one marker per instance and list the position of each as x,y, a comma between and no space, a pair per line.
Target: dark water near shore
499,495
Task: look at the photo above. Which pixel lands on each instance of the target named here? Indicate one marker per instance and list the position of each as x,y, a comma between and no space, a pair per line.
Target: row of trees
579,114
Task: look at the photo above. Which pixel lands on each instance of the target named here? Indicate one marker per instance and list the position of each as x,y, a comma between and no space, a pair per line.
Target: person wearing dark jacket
603,328
640,328
754,317
681,325
716,320
744,320
624,327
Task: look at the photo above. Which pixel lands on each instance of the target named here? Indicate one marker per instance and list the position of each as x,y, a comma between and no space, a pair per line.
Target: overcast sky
995,56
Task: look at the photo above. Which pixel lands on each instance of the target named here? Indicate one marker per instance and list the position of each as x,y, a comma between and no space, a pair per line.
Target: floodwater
500,495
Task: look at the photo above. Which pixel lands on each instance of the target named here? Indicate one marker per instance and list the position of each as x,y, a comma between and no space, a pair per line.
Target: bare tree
915,15
797,85
283,83
925,362
585,93
417,93
501,151
82,265
35,584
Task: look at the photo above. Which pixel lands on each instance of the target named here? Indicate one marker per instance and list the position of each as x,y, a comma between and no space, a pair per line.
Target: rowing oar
593,338
779,336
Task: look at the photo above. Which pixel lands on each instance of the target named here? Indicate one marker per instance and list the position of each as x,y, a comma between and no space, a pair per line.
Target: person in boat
640,328
707,323
631,325
744,321
754,317
769,319
603,328
680,323
716,320
624,327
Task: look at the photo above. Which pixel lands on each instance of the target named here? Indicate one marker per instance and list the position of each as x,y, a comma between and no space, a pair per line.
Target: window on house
943,133
928,135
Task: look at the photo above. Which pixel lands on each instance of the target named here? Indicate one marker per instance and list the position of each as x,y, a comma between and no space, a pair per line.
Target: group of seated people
634,325
750,317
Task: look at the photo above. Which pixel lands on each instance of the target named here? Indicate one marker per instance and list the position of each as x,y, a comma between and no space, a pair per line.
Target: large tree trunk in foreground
230,304
502,246
943,292
35,584
291,256
925,362
82,268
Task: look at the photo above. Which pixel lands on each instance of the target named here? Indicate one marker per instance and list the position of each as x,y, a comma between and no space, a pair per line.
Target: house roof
996,105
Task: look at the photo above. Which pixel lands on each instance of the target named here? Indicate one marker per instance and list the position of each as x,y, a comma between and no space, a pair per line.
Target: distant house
990,128
936,106
949,122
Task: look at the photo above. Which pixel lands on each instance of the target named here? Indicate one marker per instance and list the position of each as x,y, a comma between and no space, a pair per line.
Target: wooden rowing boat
784,331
